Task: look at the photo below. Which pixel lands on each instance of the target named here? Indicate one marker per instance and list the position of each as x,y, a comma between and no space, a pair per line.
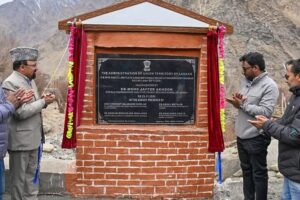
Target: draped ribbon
76,81
216,142
216,94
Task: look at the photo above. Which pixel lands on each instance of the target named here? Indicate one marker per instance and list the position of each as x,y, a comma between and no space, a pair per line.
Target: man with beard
25,126
257,96
287,131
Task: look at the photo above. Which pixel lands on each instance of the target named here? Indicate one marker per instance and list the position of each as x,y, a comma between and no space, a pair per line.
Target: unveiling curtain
216,142
76,85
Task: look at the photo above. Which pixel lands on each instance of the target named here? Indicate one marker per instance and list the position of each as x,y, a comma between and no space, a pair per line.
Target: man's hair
17,64
254,58
295,66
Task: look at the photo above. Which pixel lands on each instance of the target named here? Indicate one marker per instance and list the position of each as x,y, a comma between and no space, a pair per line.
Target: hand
239,98
15,97
49,98
232,102
229,100
27,97
259,122
236,100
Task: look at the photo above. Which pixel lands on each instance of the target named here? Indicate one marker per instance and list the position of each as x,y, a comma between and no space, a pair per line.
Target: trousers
22,165
291,190
2,178
253,158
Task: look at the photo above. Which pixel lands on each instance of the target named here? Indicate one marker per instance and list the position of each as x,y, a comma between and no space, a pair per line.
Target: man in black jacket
287,131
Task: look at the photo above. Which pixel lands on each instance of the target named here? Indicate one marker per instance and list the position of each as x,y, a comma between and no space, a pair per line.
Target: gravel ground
53,125
58,152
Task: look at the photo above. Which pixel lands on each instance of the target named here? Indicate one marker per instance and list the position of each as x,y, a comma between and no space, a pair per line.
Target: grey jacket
287,131
6,110
25,126
262,94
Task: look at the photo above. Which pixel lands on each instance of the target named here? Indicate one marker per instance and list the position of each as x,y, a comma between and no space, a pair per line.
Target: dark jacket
6,110
287,131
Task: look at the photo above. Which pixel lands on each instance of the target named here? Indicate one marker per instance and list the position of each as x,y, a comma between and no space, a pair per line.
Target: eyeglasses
286,77
33,65
246,68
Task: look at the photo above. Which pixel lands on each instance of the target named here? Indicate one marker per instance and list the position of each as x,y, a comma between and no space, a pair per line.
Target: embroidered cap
23,53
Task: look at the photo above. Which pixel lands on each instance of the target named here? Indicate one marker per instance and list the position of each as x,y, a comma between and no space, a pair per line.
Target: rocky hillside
34,23
271,27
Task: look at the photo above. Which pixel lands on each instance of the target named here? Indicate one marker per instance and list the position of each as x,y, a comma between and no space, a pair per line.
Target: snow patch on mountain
5,1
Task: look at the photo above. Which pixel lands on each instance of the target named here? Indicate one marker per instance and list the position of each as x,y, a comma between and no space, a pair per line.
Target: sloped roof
144,15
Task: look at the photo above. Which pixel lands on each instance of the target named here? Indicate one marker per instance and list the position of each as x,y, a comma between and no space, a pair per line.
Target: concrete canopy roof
144,15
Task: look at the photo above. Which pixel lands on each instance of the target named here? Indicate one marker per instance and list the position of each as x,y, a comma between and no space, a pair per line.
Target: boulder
274,168
48,148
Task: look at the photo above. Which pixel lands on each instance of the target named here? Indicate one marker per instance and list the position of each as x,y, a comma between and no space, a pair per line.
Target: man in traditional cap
25,126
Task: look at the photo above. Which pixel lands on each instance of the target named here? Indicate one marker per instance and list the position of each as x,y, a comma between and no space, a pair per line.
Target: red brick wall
143,161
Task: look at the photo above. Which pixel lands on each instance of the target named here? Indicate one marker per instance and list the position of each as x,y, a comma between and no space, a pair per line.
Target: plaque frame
147,59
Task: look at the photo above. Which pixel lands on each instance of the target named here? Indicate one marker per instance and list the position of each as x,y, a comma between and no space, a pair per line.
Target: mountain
34,23
271,27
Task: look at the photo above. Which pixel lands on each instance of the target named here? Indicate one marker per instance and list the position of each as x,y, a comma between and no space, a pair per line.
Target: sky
4,1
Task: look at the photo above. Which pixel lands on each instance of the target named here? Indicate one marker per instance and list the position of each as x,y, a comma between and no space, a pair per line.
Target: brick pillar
143,161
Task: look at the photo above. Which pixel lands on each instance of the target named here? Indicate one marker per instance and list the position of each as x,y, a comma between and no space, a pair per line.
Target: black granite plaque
145,89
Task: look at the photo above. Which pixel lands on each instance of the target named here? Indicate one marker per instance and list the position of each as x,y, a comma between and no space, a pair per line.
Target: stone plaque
146,89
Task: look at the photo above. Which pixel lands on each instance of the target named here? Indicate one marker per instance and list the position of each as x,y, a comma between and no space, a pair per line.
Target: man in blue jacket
287,131
8,104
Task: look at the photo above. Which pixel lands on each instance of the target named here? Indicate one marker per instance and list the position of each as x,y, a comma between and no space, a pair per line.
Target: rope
57,67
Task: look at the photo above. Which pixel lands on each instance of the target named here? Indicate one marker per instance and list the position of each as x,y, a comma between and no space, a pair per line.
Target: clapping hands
48,97
259,121
236,100
19,97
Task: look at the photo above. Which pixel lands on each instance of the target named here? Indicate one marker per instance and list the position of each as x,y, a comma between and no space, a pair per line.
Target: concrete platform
53,174
51,177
